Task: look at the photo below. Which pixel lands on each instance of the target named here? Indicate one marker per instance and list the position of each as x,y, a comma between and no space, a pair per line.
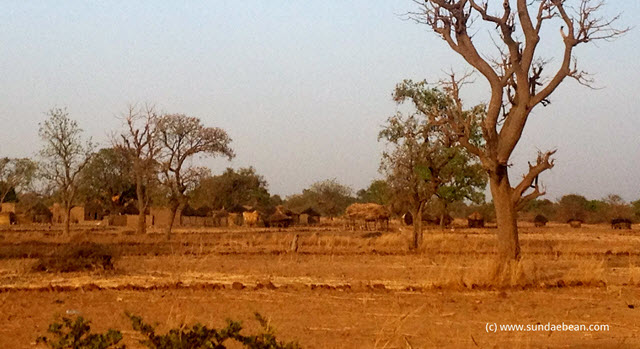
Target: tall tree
15,174
181,138
518,83
64,155
423,160
138,143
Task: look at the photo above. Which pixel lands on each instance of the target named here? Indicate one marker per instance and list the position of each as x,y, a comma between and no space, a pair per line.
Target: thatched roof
476,216
367,211
311,212
279,217
39,209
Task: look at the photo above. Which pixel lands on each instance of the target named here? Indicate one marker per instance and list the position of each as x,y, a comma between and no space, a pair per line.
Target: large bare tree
517,76
181,138
138,143
64,156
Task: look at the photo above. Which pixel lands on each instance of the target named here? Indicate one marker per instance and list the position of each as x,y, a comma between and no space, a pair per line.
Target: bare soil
343,289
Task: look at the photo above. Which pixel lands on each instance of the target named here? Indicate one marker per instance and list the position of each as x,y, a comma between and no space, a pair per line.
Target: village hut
250,218
368,213
540,220
621,223
475,220
7,218
407,218
295,217
280,220
94,211
309,216
39,213
575,222
220,218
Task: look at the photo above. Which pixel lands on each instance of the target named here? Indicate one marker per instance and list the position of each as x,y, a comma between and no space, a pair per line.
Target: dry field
342,289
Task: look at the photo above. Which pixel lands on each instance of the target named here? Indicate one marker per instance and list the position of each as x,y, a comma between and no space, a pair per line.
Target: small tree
328,197
516,74
232,189
139,145
424,160
180,138
105,178
64,156
15,174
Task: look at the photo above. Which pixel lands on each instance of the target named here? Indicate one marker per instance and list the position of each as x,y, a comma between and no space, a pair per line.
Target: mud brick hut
475,220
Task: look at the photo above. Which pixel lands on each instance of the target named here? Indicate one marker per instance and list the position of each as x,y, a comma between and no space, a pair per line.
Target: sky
302,87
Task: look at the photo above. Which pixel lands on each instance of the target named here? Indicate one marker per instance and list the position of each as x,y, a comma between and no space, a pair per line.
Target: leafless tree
182,137
138,144
518,82
64,155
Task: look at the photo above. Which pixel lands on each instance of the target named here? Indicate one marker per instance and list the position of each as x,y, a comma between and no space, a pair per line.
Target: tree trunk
506,217
175,208
172,218
67,219
142,221
417,227
142,207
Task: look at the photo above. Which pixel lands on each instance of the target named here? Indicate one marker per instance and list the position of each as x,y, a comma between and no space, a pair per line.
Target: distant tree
233,189
378,192
138,143
64,155
635,206
423,159
106,178
181,138
617,207
572,206
328,197
542,207
15,175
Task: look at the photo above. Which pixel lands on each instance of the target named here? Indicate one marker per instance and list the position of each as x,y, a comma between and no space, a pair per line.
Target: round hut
540,220
309,216
475,220
280,220
621,223
575,222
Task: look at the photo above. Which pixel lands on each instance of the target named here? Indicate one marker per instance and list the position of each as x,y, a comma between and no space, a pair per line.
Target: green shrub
76,334
199,336
80,257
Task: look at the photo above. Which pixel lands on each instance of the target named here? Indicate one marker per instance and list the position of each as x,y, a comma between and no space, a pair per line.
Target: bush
76,334
80,257
199,336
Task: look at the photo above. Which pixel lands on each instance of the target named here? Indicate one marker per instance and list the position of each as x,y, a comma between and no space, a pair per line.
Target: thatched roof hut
475,220
575,222
540,220
279,219
621,223
309,216
39,213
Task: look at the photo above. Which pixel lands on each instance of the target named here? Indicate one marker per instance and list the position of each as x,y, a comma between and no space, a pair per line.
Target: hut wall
8,207
162,216
77,214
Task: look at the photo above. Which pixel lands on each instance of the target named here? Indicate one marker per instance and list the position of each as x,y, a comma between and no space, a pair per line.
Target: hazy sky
302,87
